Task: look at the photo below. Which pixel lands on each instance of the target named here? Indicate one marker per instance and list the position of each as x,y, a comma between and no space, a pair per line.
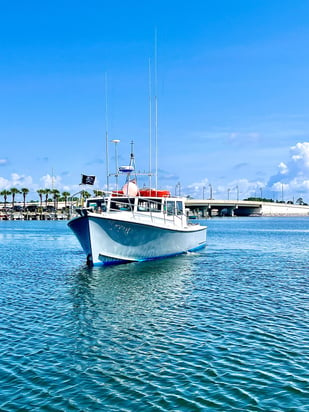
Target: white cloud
293,175
283,169
51,182
3,161
300,155
4,183
244,137
55,182
17,181
240,188
21,180
198,189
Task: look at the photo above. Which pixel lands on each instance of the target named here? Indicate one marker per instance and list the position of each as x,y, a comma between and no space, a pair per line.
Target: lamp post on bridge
210,191
178,186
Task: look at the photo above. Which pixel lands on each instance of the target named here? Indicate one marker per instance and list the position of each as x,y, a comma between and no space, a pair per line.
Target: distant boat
133,225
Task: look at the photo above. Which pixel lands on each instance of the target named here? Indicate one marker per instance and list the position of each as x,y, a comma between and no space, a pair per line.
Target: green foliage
259,199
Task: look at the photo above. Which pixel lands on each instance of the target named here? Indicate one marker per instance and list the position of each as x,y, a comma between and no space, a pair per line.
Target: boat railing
154,209
141,208
75,201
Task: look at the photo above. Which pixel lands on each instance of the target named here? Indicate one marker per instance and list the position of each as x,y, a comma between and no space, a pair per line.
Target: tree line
45,195
299,201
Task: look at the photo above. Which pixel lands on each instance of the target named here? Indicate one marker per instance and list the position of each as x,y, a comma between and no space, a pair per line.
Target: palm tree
5,194
84,195
46,192
299,201
41,192
98,193
14,192
56,195
24,191
65,195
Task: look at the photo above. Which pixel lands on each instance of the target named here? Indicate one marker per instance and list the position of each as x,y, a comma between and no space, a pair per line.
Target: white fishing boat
133,225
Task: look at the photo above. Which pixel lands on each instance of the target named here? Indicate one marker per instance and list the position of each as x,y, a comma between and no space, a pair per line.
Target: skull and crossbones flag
88,180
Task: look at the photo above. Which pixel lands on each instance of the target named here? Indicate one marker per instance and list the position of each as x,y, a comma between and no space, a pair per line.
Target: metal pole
116,141
156,107
150,126
106,135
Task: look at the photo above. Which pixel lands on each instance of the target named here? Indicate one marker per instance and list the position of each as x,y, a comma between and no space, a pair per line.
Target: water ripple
225,329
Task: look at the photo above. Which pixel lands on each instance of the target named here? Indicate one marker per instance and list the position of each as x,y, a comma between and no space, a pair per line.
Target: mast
106,135
150,125
156,109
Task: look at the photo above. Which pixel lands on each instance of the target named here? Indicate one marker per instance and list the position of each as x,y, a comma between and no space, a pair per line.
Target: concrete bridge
208,208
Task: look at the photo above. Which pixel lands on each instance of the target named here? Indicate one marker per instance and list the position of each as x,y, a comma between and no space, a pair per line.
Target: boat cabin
166,206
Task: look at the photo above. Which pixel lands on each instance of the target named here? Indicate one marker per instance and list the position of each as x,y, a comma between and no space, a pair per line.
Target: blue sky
232,93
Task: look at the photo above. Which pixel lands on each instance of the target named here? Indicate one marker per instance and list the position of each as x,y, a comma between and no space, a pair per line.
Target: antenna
132,158
156,107
116,141
150,124
106,134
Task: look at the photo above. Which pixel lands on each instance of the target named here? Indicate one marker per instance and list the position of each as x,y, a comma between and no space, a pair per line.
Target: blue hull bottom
121,262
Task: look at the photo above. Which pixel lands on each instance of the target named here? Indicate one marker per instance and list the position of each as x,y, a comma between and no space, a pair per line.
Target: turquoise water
225,329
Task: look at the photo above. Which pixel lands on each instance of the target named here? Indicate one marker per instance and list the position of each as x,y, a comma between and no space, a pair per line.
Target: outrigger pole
150,124
106,135
156,107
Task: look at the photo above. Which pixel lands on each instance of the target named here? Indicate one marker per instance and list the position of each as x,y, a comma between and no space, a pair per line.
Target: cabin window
97,205
126,204
179,207
155,205
170,207
145,205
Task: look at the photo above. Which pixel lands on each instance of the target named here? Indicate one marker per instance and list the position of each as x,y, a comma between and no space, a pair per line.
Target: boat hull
109,241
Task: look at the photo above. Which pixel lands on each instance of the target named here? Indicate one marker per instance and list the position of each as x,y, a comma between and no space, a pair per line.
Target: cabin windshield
179,207
96,204
149,205
170,207
174,207
122,203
